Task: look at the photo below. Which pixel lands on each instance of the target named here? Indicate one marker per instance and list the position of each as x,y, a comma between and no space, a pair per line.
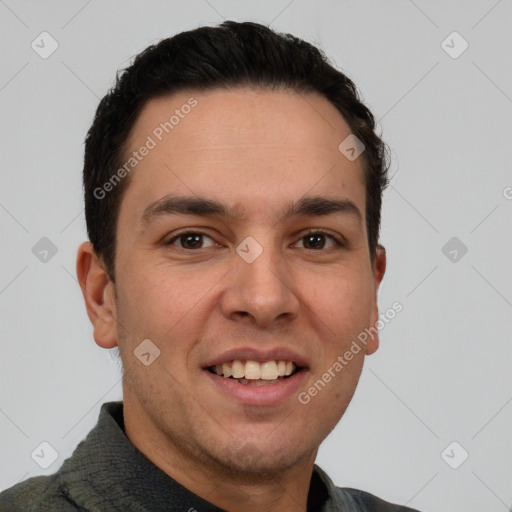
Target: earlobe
98,293
379,268
373,332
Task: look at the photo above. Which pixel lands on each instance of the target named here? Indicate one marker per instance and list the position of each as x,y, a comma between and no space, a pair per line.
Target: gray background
442,373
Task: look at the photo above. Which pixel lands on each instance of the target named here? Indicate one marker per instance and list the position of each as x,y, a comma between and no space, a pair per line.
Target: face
242,248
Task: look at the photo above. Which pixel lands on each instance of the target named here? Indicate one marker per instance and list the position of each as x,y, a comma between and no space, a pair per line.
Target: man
233,186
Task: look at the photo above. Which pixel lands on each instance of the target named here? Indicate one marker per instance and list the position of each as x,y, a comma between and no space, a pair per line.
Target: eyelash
314,231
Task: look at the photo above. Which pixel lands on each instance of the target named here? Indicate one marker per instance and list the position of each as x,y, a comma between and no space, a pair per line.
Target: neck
220,485
287,492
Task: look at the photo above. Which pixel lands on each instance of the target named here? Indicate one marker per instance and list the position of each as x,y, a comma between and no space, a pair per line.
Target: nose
260,292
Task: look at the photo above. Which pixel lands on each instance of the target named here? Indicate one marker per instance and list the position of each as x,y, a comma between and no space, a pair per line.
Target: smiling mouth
254,373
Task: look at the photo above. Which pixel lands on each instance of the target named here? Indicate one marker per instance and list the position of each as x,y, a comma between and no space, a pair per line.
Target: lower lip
269,394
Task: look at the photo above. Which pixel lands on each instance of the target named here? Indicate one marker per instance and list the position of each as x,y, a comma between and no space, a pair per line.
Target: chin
251,461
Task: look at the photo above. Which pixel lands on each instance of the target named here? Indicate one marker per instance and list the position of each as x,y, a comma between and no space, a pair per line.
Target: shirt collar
107,470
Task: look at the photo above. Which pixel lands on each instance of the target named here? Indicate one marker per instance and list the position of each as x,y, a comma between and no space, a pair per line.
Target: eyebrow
204,207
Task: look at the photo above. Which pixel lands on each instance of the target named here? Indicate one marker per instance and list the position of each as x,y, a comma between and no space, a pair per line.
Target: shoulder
364,501
37,494
355,500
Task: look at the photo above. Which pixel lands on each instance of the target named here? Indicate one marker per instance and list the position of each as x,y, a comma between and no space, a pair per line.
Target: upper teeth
253,370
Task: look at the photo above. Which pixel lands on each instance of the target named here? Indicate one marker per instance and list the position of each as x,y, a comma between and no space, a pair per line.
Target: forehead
242,116
243,146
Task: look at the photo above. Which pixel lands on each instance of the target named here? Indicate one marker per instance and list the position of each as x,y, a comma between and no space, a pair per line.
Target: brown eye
190,240
317,240
314,241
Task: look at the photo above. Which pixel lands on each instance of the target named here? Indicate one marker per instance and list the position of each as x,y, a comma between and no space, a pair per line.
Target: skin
257,151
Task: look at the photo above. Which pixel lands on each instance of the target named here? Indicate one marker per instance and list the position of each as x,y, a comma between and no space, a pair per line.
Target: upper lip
253,354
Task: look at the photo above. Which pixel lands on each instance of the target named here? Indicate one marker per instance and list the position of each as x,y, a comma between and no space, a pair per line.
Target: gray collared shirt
107,473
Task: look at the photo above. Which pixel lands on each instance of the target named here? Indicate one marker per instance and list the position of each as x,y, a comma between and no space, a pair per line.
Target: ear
378,269
98,293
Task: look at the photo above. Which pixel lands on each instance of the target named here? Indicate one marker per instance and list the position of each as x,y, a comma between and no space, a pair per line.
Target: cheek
162,305
153,297
345,304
